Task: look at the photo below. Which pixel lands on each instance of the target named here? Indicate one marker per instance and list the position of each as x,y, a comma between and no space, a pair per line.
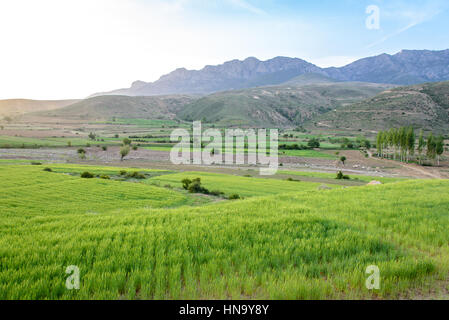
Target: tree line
402,144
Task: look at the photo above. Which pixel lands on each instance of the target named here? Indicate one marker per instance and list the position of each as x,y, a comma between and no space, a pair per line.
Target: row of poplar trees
400,143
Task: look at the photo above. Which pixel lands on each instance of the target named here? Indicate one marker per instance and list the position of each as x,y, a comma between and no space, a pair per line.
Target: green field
243,186
24,142
139,241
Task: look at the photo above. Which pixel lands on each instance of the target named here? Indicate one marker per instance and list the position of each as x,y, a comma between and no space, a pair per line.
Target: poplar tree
421,144
439,147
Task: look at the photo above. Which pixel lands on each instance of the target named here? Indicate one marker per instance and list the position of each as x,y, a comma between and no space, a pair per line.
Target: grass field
139,241
333,175
23,142
243,186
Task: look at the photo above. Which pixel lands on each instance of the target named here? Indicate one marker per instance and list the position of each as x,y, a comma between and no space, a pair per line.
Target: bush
186,183
87,175
123,173
194,186
135,148
105,148
81,150
48,170
216,193
124,151
104,176
341,176
234,197
136,175
35,163
314,143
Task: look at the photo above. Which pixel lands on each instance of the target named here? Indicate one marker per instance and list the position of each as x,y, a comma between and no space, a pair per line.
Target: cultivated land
135,240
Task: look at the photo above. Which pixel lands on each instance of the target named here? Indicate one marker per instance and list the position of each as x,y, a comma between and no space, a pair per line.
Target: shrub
135,148
104,176
123,173
186,183
124,151
35,163
339,175
136,175
87,175
127,142
314,143
194,186
48,170
105,148
234,197
81,150
216,193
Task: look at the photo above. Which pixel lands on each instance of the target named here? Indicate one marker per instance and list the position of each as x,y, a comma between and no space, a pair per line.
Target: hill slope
404,68
106,107
15,107
422,106
285,105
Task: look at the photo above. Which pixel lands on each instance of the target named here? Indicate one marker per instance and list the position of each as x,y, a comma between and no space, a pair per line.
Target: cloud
414,17
247,6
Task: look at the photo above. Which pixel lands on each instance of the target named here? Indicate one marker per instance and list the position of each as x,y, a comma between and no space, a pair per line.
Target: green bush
105,148
234,197
194,186
216,193
123,173
136,175
87,175
81,150
35,163
48,170
186,183
341,176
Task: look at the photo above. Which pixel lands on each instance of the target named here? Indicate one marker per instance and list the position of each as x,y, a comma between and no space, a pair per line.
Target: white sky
56,49
60,49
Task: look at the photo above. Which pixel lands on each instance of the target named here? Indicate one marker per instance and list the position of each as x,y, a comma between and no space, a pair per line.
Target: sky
61,49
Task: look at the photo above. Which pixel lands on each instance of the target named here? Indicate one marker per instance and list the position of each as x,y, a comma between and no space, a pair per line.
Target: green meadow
146,240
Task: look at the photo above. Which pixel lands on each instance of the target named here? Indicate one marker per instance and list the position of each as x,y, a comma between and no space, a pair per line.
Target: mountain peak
404,68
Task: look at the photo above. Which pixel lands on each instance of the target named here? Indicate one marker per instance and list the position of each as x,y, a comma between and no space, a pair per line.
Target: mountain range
404,68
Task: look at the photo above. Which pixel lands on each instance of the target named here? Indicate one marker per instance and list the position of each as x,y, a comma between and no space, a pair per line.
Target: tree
127,142
431,146
124,151
439,147
314,143
411,139
403,142
92,136
379,143
343,159
421,144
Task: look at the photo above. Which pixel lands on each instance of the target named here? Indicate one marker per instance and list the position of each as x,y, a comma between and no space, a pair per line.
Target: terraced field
134,240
